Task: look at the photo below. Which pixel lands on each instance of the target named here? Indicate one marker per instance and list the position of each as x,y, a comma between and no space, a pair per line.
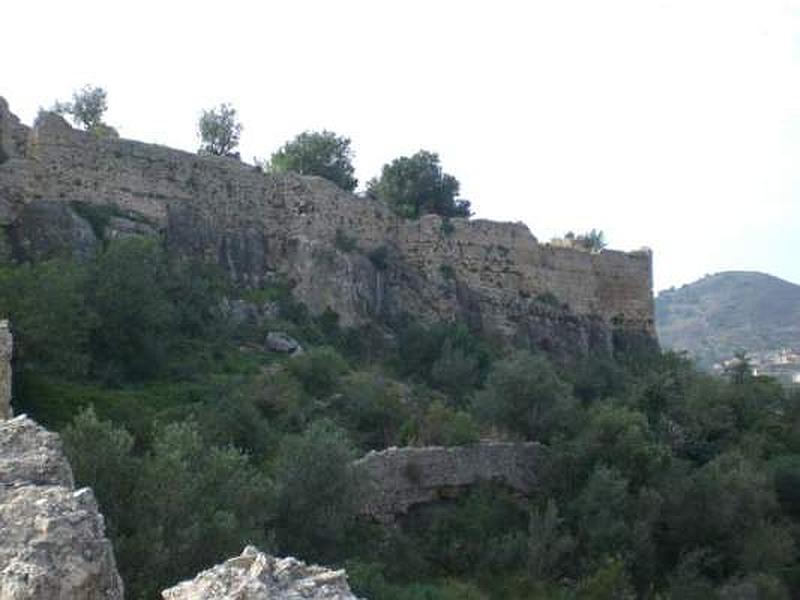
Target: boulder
278,341
258,576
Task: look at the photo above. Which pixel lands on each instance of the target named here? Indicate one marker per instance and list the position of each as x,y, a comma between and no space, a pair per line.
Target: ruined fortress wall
495,257
493,275
398,478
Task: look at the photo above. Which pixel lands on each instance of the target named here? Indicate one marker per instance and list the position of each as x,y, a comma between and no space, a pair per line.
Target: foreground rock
258,576
52,537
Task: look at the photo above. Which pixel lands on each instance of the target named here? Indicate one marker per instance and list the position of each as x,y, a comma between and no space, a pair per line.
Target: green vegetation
321,153
660,481
86,109
594,240
416,185
219,131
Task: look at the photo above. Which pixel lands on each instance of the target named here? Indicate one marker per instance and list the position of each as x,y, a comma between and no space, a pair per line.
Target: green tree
136,316
321,153
455,371
219,131
594,240
441,425
416,185
524,395
373,408
318,370
194,505
87,107
316,491
101,457
739,369
548,542
52,323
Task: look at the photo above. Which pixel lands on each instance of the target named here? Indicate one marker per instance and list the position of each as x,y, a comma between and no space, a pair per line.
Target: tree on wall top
86,110
219,131
417,185
321,153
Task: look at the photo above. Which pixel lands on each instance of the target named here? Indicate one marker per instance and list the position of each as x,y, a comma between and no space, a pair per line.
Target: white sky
668,124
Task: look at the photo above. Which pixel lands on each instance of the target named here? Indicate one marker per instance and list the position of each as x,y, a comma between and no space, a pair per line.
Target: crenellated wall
494,276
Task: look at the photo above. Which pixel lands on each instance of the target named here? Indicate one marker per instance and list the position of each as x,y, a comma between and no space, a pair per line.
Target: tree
739,369
219,131
524,395
416,185
137,318
316,491
593,241
86,109
321,153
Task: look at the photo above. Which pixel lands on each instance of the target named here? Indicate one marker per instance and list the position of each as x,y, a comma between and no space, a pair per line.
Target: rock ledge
258,576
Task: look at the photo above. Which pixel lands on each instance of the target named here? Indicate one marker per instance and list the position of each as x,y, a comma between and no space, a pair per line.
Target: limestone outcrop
52,537
258,576
6,349
398,478
63,190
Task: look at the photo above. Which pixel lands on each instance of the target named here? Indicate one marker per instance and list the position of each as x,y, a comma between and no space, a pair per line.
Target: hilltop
723,313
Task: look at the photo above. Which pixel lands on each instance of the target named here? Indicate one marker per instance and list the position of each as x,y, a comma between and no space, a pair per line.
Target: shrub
416,185
321,153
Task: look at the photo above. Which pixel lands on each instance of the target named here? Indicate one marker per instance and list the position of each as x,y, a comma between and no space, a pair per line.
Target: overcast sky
668,124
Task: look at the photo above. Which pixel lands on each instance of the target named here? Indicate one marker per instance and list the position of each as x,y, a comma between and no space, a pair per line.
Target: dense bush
416,185
321,153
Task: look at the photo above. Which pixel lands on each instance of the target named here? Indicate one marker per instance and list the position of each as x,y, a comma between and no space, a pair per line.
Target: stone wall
398,478
494,276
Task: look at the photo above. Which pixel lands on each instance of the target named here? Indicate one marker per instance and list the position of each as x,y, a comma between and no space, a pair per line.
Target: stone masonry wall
494,276
398,478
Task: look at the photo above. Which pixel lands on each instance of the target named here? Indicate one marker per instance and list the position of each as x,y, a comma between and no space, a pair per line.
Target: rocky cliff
64,191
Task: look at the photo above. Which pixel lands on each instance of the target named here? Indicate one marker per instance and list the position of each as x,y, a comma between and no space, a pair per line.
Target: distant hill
736,310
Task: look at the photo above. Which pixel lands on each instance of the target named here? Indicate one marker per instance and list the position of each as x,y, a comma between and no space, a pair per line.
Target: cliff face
62,190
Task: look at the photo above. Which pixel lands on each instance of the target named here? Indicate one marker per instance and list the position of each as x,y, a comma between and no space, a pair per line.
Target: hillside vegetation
724,313
661,482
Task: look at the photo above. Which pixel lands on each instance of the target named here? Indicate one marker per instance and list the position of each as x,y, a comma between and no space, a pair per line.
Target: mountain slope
736,310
